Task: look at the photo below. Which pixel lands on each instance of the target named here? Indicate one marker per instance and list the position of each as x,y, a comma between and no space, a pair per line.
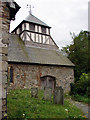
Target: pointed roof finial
30,7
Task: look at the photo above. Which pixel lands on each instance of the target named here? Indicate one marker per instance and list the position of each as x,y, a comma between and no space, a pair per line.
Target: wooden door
48,81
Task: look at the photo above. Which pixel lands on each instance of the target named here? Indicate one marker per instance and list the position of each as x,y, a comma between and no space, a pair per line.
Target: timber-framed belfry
6,9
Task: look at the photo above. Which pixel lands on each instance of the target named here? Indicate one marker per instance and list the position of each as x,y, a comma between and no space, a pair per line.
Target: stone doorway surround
48,81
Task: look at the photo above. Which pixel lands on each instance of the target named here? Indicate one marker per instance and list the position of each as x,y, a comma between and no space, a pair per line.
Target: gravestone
34,92
58,95
47,93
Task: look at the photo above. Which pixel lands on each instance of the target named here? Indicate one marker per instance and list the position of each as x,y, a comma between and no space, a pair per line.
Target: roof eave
37,23
29,22
48,64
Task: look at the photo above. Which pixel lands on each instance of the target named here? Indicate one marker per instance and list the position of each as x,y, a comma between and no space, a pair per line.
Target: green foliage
21,105
77,52
81,98
82,85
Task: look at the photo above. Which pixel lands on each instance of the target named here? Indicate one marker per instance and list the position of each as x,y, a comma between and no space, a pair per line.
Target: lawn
21,105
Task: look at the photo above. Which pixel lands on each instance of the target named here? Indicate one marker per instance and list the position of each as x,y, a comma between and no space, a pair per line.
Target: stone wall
4,29
26,75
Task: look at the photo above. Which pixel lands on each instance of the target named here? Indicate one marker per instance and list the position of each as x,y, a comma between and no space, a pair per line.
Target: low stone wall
26,75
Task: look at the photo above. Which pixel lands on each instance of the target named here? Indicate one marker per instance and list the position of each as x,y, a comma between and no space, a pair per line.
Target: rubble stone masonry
4,29
27,75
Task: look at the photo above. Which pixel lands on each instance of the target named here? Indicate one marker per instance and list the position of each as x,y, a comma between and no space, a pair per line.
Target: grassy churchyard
21,105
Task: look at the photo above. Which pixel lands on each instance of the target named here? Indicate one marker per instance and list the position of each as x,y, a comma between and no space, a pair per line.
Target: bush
81,98
81,86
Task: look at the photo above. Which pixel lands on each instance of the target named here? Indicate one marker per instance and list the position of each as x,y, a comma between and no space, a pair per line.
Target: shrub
81,86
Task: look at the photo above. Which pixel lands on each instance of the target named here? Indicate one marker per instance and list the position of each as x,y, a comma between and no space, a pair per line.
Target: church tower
34,32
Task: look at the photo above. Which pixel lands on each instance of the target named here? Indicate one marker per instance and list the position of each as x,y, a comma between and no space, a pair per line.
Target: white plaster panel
37,38
32,36
40,29
47,31
40,38
27,26
17,31
36,28
43,38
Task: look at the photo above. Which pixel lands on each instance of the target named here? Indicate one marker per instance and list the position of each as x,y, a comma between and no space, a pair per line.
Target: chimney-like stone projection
8,9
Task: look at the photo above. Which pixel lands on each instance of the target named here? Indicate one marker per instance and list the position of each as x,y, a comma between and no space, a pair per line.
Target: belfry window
43,30
32,27
11,74
20,29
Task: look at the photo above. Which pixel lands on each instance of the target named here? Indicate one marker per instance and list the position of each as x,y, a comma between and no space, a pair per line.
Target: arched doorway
48,81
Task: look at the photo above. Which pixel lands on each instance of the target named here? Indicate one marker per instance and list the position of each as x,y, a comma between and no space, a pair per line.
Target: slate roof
31,18
18,52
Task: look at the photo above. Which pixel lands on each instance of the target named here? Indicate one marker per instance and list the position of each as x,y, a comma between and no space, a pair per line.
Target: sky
63,16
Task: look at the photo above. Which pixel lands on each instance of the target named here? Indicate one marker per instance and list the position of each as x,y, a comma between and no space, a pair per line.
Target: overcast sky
64,16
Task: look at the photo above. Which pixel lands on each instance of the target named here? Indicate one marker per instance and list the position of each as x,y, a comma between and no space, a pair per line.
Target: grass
80,98
21,105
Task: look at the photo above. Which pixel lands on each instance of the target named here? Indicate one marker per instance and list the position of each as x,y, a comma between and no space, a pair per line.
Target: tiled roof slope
31,18
18,52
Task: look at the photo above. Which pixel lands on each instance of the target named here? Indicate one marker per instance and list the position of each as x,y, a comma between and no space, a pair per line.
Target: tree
77,52
81,86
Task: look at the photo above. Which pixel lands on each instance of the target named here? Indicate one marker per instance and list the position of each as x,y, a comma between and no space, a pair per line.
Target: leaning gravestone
58,95
34,92
47,93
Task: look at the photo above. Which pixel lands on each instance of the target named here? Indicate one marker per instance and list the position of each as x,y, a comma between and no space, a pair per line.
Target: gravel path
84,107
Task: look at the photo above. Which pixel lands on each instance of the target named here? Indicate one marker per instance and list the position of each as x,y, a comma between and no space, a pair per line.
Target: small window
25,26
43,30
20,29
32,27
11,74
37,28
